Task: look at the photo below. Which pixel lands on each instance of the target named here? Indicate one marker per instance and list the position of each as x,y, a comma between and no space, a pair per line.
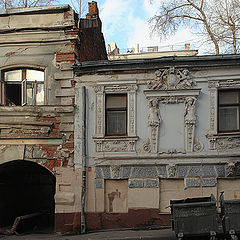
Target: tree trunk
234,39
210,32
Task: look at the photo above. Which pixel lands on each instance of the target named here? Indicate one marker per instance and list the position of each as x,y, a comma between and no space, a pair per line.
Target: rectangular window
22,87
116,114
228,110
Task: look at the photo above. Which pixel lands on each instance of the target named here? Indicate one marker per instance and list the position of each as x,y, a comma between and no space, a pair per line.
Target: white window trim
220,141
2,90
23,85
118,143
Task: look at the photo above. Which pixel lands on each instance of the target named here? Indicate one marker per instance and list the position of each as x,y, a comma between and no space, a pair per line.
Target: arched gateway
26,189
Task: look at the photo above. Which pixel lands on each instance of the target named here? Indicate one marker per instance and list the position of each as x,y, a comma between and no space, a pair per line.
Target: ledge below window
116,144
224,141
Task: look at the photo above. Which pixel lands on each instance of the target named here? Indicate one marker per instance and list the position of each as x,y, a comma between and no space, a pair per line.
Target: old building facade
107,144
37,102
157,129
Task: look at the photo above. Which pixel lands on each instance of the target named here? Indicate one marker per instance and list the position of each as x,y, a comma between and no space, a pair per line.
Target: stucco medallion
171,78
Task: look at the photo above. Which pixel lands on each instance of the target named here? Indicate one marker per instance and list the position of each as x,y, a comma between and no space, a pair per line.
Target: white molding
219,142
118,144
174,96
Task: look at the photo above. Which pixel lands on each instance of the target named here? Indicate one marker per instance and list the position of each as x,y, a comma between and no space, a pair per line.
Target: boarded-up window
116,196
170,189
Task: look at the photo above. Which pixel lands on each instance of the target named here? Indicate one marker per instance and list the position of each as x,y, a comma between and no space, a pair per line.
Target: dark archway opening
26,188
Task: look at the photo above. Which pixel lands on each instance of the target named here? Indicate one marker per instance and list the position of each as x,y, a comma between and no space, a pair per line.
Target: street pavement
124,234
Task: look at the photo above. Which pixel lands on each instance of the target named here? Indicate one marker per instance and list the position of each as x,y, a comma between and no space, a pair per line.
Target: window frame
228,105
2,90
124,109
23,82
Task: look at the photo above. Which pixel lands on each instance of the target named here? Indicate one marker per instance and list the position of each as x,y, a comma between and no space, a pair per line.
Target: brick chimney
92,10
187,46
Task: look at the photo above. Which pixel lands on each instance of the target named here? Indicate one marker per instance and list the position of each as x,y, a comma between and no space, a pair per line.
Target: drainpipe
84,160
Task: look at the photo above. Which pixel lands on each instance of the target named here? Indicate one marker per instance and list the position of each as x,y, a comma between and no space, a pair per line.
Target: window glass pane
2,91
40,94
116,101
15,75
34,75
116,122
30,99
228,118
228,97
13,94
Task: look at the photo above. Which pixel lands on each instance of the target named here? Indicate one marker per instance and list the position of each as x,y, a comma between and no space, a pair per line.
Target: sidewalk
162,234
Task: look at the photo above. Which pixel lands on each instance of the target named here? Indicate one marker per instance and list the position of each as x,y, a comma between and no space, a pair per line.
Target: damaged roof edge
34,10
134,64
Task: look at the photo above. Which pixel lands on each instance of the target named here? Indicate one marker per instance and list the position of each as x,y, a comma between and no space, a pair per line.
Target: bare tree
80,6
218,19
227,22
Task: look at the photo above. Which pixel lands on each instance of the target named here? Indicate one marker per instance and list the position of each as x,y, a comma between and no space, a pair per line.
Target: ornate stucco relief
115,171
154,120
115,145
198,146
172,86
172,171
172,78
118,144
145,147
132,113
228,143
230,169
26,129
189,123
213,85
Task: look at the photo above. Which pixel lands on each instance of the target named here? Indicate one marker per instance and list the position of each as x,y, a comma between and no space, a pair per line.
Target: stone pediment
171,78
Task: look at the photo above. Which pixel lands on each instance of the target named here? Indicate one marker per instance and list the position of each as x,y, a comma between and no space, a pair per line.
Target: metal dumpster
194,217
230,215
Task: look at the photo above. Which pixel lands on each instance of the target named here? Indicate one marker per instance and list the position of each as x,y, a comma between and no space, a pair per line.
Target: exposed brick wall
65,57
92,10
92,45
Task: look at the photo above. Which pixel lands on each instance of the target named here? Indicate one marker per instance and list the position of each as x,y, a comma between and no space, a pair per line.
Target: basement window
22,87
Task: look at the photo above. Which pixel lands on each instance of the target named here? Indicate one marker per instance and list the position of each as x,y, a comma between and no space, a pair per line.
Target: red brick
68,145
65,57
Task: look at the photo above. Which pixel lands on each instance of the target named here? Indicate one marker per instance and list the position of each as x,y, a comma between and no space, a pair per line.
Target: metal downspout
84,161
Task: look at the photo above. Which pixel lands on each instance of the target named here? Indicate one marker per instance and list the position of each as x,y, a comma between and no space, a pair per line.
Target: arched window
22,87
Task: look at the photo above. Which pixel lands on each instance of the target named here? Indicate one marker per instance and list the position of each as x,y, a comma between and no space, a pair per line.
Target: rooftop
33,10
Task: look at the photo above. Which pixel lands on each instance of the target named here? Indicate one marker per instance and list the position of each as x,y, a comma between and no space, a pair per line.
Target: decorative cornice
113,88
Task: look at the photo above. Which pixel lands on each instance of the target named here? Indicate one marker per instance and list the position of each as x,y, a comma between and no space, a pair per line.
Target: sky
126,22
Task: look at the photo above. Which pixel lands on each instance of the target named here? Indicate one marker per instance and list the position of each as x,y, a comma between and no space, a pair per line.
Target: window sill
116,137
227,134
224,141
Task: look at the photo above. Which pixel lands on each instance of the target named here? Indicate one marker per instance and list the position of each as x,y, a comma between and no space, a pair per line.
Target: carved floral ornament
172,78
